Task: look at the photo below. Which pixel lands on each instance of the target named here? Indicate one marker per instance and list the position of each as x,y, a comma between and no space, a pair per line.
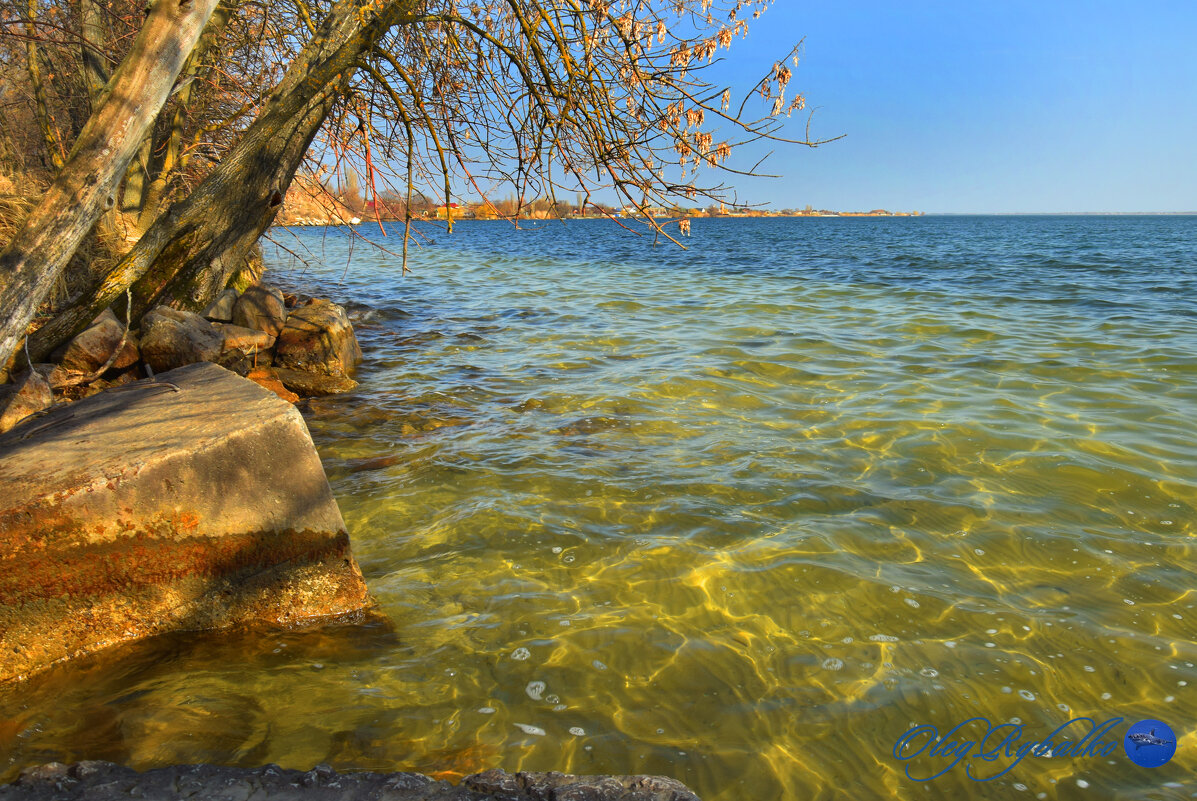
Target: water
741,515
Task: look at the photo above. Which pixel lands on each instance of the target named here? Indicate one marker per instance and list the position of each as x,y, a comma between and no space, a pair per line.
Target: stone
248,340
221,309
318,338
55,374
192,501
261,308
94,346
171,338
314,385
28,394
104,781
268,377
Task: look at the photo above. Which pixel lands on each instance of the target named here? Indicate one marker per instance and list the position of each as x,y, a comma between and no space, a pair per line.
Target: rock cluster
294,347
103,781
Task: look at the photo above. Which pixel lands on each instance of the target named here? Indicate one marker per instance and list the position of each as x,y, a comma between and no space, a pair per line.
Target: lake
741,514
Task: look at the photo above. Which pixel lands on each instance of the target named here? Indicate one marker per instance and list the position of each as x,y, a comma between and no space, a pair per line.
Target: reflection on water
741,516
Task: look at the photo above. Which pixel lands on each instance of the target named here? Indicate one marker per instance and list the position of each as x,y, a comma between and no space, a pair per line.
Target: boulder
105,781
248,340
313,385
94,346
195,500
221,310
267,377
171,338
261,308
28,394
318,338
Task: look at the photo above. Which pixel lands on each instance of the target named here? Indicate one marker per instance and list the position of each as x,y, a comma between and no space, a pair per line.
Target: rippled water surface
740,515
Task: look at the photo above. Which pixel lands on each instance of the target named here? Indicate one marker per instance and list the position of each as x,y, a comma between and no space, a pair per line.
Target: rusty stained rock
318,338
104,781
268,377
193,501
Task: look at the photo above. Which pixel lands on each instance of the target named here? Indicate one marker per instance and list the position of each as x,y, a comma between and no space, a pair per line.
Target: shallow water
741,515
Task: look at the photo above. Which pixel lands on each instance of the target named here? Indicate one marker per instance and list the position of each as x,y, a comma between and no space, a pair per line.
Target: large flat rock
103,781
192,501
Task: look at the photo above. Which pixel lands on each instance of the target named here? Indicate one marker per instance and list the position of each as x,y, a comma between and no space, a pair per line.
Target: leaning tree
199,149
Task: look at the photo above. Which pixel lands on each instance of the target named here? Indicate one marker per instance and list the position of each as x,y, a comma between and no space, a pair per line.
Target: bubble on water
991,645
568,558
991,631
1007,691
486,710
847,641
1090,669
883,638
978,552
1182,684
599,665
660,731
929,672
1027,694
911,602
564,622
1169,699
560,708
535,690
521,654
1081,783
1106,696
577,731
833,664
557,549
950,644
1062,707
1020,787
527,729
1128,602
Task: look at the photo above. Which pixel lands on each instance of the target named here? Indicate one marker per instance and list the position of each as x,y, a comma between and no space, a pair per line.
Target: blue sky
976,107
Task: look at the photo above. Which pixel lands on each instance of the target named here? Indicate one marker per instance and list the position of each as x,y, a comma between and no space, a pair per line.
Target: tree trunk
192,249
95,72
155,193
86,185
45,122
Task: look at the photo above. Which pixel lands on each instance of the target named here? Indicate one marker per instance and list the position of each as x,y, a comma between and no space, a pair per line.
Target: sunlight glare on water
740,515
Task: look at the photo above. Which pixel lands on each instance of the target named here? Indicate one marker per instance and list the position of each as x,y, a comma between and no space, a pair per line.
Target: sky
982,107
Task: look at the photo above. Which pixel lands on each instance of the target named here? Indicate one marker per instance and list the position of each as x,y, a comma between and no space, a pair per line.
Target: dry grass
98,253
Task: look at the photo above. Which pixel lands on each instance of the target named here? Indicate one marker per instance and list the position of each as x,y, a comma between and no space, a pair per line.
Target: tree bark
42,107
192,249
95,73
87,184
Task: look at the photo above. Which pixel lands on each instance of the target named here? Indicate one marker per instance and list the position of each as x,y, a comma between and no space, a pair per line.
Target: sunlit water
741,515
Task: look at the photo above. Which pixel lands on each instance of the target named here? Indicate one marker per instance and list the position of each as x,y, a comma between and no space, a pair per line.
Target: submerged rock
171,338
28,394
261,308
193,501
318,338
314,385
104,781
